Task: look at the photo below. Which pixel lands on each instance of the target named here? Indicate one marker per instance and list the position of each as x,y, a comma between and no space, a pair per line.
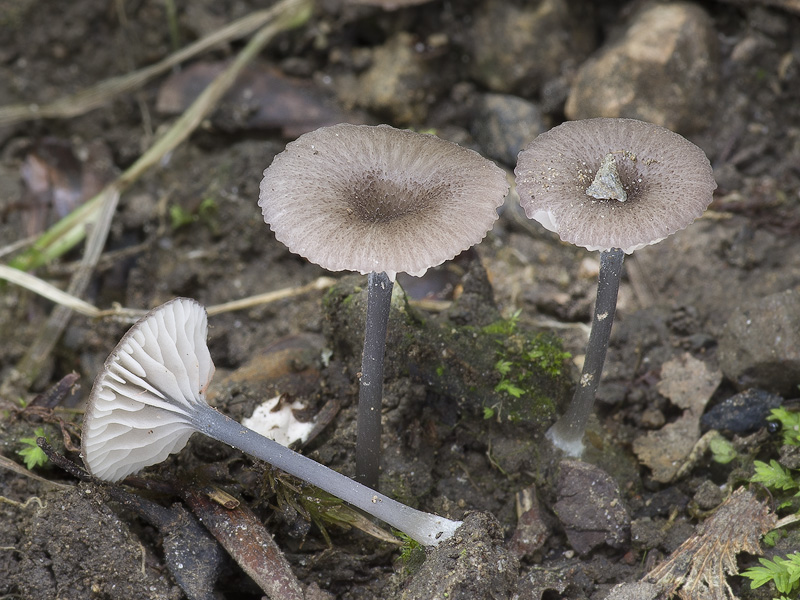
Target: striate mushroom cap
613,183
379,199
140,408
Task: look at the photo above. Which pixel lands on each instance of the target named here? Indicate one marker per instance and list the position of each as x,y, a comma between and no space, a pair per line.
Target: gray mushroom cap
667,183
379,199
140,408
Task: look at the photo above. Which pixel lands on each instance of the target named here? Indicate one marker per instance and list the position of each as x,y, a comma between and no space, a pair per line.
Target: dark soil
453,445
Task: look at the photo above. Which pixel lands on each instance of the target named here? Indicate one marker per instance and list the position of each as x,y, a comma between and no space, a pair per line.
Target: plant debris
689,384
697,570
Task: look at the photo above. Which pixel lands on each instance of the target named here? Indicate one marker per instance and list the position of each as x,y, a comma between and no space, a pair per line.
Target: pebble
504,124
471,565
760,344
590,507
743,412
662,69
522,47
400,83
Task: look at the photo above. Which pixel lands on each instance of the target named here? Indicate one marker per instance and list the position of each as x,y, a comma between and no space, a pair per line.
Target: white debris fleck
275,419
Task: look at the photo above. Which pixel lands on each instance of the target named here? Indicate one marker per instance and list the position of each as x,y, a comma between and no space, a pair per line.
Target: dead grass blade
62,298
99,94
98,212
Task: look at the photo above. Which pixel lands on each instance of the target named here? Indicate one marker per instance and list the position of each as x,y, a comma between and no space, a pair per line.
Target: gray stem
425,528
370,391
567,433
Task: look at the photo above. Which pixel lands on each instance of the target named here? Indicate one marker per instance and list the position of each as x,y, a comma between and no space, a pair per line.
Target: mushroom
613,185
149,399
378,200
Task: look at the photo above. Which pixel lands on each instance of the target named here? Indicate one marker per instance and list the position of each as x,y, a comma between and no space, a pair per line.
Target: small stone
708,495
401,82
743,412
504,124
531,532
471,565
646,533
652,418
520,47
590,507
760,344
790,457
640,590
606,184
663,69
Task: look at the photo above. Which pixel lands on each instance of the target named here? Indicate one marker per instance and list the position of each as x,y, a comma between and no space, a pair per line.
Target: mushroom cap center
374,198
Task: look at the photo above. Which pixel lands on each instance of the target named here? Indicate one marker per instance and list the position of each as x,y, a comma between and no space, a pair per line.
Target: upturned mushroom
149,399
378,200
614,186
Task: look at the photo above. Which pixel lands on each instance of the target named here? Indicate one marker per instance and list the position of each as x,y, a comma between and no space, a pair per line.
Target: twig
46,290
100,209
68,301
9,464
321,283
99,94
70,230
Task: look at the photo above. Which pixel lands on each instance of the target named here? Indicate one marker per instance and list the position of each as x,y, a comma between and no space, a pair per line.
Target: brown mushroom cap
139,411
667,182
379,199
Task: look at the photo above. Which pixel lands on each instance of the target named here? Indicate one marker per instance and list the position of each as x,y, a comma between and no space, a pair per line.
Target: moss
499,369
530,368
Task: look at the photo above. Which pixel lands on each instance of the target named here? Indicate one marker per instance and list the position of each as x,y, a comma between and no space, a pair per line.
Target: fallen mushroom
613,185
378,200
149,399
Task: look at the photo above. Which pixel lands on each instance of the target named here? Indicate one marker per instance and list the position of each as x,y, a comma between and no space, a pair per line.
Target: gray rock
590,507
504,124
472,565
518,47
663,68
538,580
760,344
647,533
742,412
401,82
634,591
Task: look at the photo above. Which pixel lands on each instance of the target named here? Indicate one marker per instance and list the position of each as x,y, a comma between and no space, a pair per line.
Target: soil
453,444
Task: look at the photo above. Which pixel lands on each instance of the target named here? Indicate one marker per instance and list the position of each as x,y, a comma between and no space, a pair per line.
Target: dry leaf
697,570
689,384
244,537
665,450
59,177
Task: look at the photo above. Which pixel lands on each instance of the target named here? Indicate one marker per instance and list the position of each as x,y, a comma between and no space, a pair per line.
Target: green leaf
790,425
783,572
503,366
32,455
773,475
771,537
722,450
509,388
758,576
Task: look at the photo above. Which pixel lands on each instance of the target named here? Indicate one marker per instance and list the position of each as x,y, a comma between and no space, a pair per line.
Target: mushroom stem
567,433
425,528
370,393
